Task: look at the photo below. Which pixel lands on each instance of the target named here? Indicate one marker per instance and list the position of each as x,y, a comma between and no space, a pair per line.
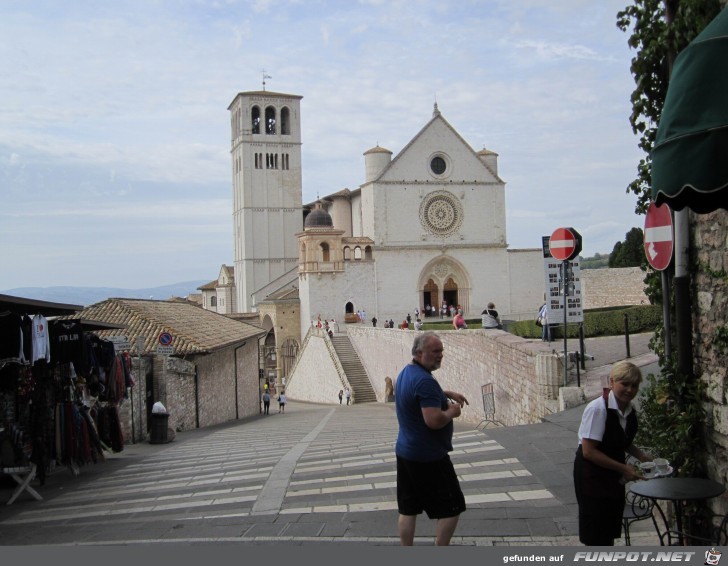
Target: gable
455,161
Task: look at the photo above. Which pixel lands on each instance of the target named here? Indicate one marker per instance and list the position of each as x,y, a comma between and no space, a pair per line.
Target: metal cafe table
679,491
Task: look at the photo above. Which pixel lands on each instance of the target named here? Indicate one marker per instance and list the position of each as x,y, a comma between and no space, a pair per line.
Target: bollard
581,345
578,376
626,333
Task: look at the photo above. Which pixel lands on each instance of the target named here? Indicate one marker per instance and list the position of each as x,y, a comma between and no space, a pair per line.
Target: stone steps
362,391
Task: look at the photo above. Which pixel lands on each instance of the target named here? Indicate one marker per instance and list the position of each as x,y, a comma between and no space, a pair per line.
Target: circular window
441,213
438,165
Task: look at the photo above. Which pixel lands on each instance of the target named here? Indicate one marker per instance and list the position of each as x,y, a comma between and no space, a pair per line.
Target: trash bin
158,432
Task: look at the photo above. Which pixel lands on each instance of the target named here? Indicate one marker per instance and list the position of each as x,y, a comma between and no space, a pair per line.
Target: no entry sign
658,236
565,244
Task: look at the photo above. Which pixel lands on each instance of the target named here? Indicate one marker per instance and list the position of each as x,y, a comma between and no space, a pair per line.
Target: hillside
89,295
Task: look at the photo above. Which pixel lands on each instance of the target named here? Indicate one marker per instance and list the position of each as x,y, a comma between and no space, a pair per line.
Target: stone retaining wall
613,287
525,375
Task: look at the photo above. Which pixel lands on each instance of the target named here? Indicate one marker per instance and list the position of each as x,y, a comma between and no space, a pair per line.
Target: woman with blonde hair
608,427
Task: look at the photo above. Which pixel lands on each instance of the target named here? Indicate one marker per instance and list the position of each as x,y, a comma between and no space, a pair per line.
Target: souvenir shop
60,389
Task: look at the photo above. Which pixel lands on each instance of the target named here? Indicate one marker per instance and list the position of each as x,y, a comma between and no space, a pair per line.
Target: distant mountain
89,295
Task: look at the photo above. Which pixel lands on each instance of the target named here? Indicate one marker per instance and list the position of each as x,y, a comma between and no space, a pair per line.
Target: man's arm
458,397
436,418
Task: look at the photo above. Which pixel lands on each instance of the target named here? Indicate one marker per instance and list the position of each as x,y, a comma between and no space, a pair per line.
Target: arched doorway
450,293
270,363
446,280
430,296
289,352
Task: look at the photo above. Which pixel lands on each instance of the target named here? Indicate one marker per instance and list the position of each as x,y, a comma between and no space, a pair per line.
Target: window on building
270,120
255,123
325,251
347,253
368,252
357,253
285,122
213,301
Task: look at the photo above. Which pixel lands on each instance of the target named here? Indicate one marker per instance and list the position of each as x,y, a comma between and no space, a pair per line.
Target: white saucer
667,472
657,474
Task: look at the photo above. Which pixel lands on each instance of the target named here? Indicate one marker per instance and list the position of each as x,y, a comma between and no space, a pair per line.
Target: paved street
317,474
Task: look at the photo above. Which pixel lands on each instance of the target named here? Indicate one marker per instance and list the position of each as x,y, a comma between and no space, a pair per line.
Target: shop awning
21,305
690,156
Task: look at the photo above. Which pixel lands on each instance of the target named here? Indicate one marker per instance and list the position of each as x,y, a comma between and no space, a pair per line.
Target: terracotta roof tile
194,330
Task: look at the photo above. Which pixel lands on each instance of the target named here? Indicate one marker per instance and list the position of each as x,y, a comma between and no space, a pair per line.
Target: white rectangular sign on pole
554,296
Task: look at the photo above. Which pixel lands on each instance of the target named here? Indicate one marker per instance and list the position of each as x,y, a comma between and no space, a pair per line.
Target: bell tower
267,190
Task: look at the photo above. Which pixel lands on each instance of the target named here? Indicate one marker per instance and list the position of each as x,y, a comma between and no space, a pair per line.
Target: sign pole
565,285
666,313
659,247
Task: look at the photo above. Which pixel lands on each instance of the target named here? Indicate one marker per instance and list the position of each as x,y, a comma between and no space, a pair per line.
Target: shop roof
193,329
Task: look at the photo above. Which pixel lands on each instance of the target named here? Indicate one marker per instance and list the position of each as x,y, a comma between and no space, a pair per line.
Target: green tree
631,252
659,31
657,44
597,261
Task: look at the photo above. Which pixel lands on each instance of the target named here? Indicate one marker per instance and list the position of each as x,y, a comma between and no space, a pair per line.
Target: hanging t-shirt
11,337
67,344
41,339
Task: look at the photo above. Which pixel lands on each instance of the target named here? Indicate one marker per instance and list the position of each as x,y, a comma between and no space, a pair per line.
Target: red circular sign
658,236
165,338
563,244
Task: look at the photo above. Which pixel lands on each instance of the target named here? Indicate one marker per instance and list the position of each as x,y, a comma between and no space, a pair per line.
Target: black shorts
432,487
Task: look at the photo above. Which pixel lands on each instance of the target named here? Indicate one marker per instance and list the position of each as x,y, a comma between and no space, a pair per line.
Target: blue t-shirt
415,389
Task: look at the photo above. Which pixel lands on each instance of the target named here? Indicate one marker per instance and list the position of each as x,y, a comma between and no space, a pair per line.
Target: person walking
426,478
266,402
341,396
282,402
347,394
543,320
608,427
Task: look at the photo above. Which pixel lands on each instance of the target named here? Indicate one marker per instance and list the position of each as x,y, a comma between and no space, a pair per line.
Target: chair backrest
636,506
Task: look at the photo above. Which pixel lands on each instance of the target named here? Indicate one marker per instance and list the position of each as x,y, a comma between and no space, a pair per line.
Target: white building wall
326,294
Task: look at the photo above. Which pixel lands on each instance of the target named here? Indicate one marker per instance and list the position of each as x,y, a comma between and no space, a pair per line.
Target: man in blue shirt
426,478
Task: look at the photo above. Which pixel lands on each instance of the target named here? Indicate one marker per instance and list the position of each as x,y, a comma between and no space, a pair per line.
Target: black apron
600,492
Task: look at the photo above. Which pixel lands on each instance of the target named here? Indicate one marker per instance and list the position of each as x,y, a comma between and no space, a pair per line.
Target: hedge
598,322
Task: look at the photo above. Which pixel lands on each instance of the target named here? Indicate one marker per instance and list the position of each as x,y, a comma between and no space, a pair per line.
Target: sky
115,164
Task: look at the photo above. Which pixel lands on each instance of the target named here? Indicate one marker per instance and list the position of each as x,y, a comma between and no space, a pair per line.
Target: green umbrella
690,156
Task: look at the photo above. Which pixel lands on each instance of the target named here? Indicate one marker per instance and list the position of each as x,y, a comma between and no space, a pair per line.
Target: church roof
318,218
377,149
487,152
288,293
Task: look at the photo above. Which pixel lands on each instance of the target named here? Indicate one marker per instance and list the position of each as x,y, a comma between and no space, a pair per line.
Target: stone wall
526,375
709,236
202,390
613,287
317,376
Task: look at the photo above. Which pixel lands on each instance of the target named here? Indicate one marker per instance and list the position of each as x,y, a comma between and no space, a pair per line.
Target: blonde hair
625,371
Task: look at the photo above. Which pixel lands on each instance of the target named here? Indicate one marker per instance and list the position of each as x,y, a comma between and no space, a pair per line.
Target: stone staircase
361,387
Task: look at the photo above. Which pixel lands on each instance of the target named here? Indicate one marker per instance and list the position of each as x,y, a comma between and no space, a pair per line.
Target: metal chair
636,508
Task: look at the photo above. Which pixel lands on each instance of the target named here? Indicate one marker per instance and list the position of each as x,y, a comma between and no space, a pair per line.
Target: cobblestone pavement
318,474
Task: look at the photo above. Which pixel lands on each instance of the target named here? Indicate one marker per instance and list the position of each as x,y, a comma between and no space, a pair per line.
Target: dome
318,218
